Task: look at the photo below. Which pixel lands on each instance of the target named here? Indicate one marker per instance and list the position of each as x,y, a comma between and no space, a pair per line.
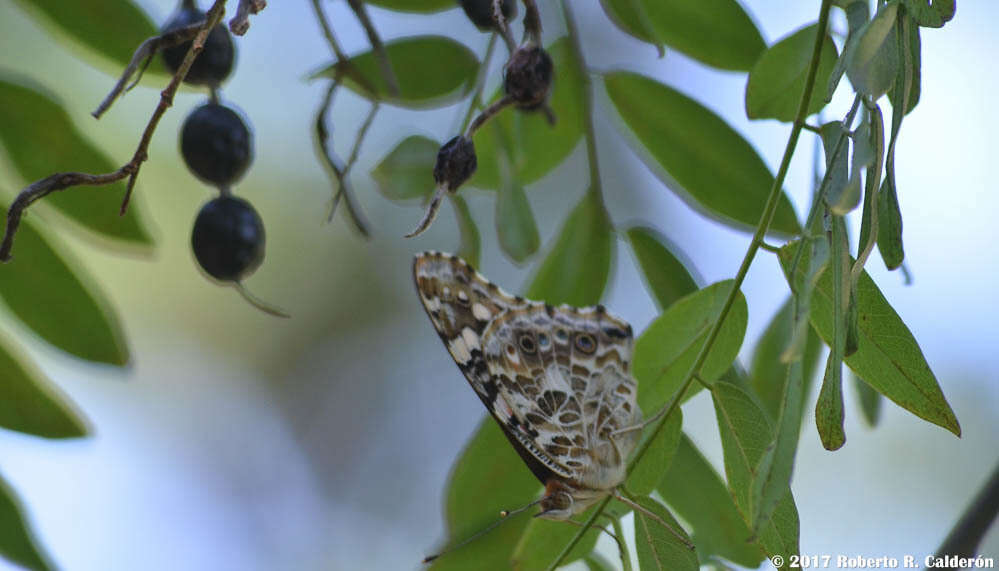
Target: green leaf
768,373
858,13
406,172
414,6
471,244
30,404
56,299
870,401
890,226
17,543
535,146
632,18
829,406
433,71
666,277
696,154
931,13
777,81
487,478
111,29
577,267
515,224
746,434
667,349
872,61
657,547
910,70
596,562
544,540
40,140
887,356
697,493
837,165
646,474
780,534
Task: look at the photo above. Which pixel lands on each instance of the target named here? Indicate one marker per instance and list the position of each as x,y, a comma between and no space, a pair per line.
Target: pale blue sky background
240,441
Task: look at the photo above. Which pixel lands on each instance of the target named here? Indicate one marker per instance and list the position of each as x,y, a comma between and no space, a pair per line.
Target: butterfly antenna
504,516
661,521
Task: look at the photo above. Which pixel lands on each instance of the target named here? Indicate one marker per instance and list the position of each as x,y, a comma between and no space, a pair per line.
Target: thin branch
333,164
503,26
480,84
376,44
640,508
588,110
488,113
143,55
343,64
240,23
259,303
62,181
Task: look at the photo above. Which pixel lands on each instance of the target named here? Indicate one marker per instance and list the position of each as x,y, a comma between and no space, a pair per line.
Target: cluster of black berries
217,146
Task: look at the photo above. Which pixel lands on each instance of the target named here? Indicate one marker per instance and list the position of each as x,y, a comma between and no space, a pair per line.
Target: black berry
528,76
216,144
228,238
480,12
456,163
215,61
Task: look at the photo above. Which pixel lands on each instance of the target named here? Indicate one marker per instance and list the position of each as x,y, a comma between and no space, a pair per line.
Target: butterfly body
556,379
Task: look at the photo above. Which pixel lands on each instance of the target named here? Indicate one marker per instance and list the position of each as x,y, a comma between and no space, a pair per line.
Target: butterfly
556,379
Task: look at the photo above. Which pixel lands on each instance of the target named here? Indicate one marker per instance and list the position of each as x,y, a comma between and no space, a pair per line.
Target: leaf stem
761,230
591,138
480,84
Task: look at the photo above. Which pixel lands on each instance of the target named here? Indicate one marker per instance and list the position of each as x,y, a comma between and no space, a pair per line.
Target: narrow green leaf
646,474
543,541
890,226
413,6
17,543
30,403
694,489
515,224
888,357
873,59
577,267
777,81
876,133
487,478
858,13
838,165
829,407
852,330
536,146
112,29
666,277
58,300
696,154
433,71
406,172
931,13
667,349
471,244
870,401
40,140
658,548
768,373
910,69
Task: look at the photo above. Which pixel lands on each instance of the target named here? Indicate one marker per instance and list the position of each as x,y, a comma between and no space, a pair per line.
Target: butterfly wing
564,388
461,304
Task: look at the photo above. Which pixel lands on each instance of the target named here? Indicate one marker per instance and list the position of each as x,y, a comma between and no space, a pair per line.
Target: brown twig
240,23
342,60
532,23
488,113
62,181
502,26
376,44
333,163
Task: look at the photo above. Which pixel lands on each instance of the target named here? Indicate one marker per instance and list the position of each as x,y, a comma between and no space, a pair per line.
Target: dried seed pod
456,163
528,77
